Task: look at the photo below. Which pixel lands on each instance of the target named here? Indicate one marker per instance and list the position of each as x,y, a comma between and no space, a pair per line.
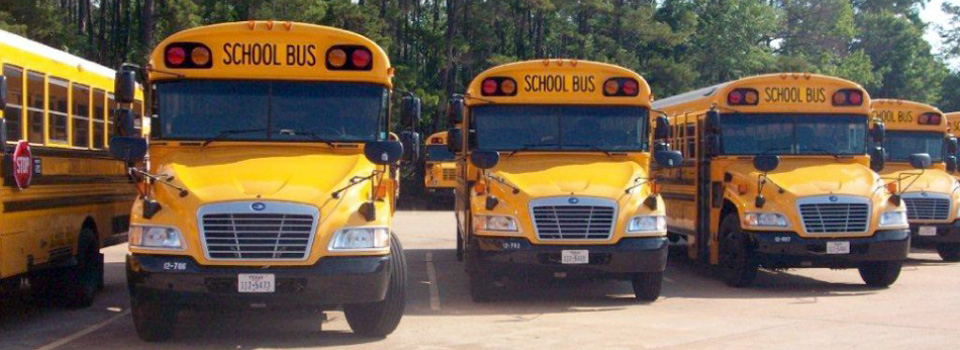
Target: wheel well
92,225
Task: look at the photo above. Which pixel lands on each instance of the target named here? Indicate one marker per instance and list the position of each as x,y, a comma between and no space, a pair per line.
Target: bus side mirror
125,85
951,164
951,145
766,162
877,161
455,140
455,110
484,159
128,149
878,132
668,159
713,121
920,160
383,152
662,130
3,91
125,123
410,142
410,111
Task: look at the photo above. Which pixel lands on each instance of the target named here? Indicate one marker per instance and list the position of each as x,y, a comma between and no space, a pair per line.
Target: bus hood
915,180
294,174
547,175
809,177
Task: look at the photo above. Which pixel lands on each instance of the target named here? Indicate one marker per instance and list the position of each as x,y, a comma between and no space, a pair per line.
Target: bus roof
559,81
36,48
703,98
953,123
271,50
905,115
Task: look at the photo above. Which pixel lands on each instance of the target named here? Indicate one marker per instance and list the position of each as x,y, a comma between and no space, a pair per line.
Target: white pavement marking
434,289
88,330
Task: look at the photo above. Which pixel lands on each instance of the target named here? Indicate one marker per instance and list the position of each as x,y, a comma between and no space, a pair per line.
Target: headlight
497,223
765,220
893,218
647,224
360,238
155,237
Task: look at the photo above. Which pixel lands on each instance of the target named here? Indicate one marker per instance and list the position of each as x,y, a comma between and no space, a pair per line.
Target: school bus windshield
568,128
749,134
251,110
439,153
901,144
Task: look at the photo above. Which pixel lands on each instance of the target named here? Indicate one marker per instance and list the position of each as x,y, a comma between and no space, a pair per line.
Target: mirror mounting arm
353,182
164,179
501,181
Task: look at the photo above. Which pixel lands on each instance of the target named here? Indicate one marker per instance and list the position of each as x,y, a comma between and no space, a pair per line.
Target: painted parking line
434,288
62,341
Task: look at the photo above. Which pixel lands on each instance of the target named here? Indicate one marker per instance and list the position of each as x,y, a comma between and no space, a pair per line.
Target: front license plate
575,257
838,247
928,231
256,283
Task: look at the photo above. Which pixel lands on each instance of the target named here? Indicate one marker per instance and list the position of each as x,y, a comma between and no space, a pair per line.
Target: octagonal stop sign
22,164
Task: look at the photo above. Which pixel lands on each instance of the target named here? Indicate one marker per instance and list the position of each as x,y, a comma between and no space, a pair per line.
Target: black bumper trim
787,249
517,256
331,281
946,233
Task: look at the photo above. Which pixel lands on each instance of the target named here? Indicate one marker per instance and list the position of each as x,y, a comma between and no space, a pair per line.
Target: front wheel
647,285
378,319
153,319
737,263
880,273
949,252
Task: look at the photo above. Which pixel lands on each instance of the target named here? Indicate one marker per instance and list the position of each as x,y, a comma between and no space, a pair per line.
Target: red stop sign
22,164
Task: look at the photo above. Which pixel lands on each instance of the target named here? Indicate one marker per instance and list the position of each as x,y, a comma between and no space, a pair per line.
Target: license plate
928,231
575,257
838,247
255,283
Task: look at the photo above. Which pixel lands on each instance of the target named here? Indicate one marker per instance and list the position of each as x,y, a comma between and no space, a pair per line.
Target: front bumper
517,256
946,233
330,282
787,249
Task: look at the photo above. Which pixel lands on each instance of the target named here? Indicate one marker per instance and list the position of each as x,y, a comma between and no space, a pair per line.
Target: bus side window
138,117
35,107
80,119
691,141
13,111
58,110
98,117
111,114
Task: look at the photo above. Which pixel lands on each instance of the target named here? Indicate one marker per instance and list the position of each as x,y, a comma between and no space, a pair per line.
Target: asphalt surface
795,309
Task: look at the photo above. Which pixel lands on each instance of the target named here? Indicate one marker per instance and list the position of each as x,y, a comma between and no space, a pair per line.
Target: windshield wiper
592,148
818,149
311,134
530,146
223,134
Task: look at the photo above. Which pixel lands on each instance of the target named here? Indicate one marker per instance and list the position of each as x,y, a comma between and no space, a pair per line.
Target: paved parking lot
795,309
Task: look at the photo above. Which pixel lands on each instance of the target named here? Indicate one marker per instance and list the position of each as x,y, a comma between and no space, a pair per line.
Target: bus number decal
558,83
257,54
794,95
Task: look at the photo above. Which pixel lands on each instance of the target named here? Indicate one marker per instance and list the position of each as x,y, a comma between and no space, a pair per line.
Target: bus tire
381,318
647,285
737,264
153,320
880,273
949,252
459,244
81,283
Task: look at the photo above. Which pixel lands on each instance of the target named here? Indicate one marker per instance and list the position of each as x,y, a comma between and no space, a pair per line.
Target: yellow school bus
440,168
778,175
953,128
63,195
270,184
932,195
553,176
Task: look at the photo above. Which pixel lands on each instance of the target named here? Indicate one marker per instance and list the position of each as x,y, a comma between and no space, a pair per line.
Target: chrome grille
588,219
840,214
449,174
929,207
280,231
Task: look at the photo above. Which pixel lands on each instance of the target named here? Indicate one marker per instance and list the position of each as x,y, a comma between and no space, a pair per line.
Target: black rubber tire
737,263
647,285
459,244
381,318
81,283
949,252
153,319
880,273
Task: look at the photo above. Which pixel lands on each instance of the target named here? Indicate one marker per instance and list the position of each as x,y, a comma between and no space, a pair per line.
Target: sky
932,14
